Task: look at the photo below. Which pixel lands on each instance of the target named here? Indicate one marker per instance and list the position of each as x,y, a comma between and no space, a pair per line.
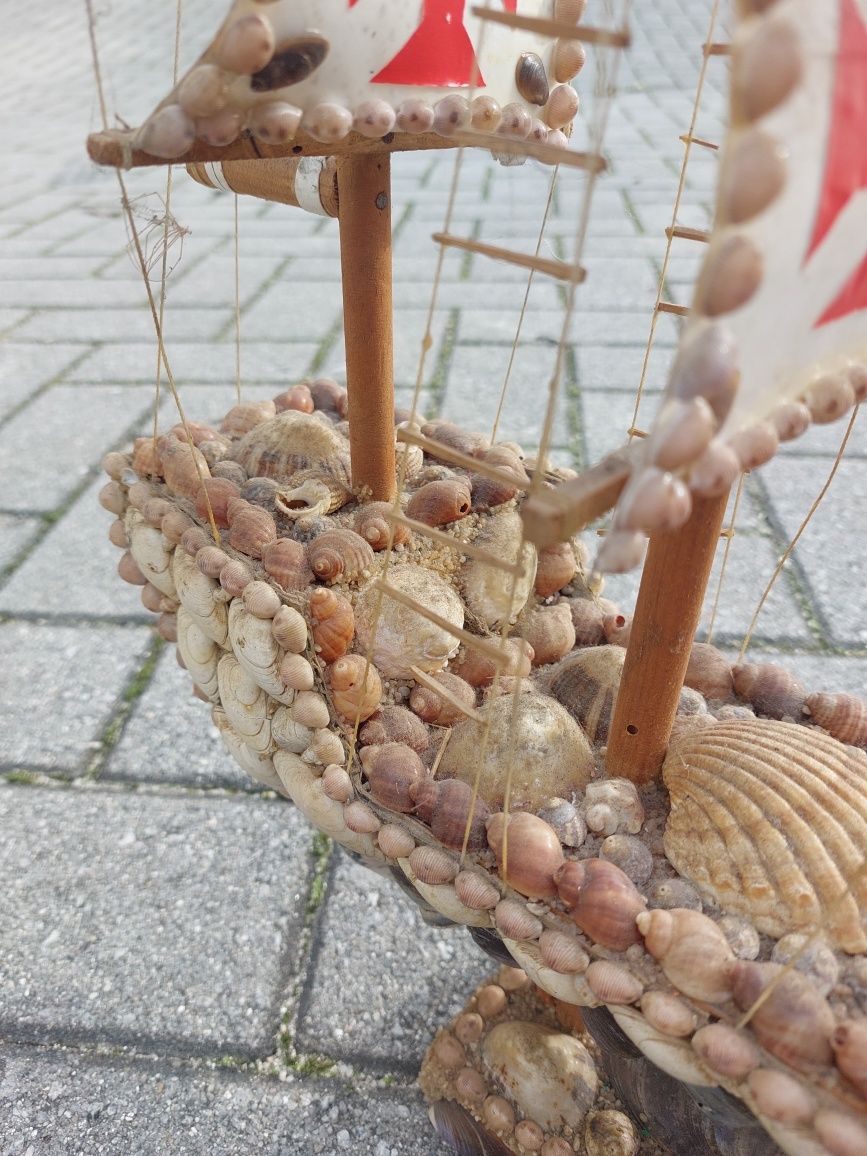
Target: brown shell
433,866
602,901
770,820
235,576
445,806
550,632
112,497
117,534
432,708
586,684
692,951
252,529
454,437
328,396
528,852
530,79
588,618
146,460
231,471
392,769
478,670
296,397
555,568
394,724
439,503
242,418
220,491
844,716
139,494
333,623
356,687
771,689
261,492
613,983
114,464
792,1020
174,525
128,570
184,467
211,560
339,554
849,1042
394,841
374,525
286,562
726,1051
155,510
709,672
490,492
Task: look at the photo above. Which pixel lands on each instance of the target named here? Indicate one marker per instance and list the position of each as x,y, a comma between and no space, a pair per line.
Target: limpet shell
770,819
491,593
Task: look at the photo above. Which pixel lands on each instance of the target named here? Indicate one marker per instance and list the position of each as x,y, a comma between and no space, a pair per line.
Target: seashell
781,1098
289,442
155,510
211,560
569,11
246,704
117,534
310,497
328,122
731,274
339,555
569,59
478,669
528,852
491,1001
653,501
742,936
530,78
446,807
548,1074
706,366
432,708
530,742
617,628
613,983
454,437
394,724
373,118
515,921
842,1135
414,115
112,497
682,432
145,459
586,684
667,1013
288,733
337,785
563,952
849,1042
550,633
296,673
562,106
566,821
555,568
709,672
588,618
328,396
470,1087
286,562
621,550
147,547
373,523
174,525
491,594
255,648
261,600
290,629
766,68
114,464
451,115
392,770
811,956
791,1019
613,806
260,767
252,529
755,445
629,854
167,133
670,893
398,637
790,420
333,623
843,716
394,841
439,503
184,467
432,866
235,576
715,471
693,953
195,539
743,197
726,1051
200,654
275,122
310,710
489,492
499,1115
601,900
197,593
296,397
359,818
356,688
609,1133
475,891
153,600
261,492
202,92
220,130
167,627
325,748
246,45
769,819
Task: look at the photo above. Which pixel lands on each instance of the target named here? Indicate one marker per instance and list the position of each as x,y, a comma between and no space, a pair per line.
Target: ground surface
184,967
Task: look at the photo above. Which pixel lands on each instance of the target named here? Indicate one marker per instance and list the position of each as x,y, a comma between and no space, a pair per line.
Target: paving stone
282,312
25,367
58,688
381,976
133,918
15,533
55,1103
170,737
192,361
133,325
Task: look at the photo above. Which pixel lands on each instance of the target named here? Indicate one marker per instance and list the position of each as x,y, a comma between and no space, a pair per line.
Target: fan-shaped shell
149,551
770,820
247,706
493,594
399,637
196,594
339,555
256,649
289,442
200,654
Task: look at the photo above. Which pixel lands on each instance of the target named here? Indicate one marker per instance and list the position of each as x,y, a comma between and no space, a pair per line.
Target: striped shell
586,684
842,715
200,654
246,705
339,555
770,820
289,442
333,623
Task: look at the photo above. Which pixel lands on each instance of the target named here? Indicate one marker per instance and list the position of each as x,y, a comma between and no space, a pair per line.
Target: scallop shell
196,594
200,654
256,649
339,555
247,706
770,820
289,442
492,594
398,637
149,551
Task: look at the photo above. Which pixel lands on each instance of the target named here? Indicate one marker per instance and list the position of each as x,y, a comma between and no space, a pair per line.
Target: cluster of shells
688,454
242,85
354,662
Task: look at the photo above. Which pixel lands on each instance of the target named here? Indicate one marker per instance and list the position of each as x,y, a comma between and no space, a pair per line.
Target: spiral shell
260,492
394,724
448,807
633,857
586,684
220,492
528,852
286,562
183,467
252,529
588,618
489,492
477,669
771,689
786,1013
613,983
555,568
601,900
843,716
356,688
310,497
709,672
333,623
439,503
392,770
432,708
491,594
549,630
289,442
373,523
289,629
613,806
339,555
770,820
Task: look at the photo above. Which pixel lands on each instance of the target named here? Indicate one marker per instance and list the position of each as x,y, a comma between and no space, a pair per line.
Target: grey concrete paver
15,533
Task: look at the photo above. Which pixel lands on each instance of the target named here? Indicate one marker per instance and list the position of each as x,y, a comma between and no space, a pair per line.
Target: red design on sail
439,53
846,160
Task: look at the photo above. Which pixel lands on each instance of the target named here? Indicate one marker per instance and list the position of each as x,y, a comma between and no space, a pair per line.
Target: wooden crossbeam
468,548
562,270
697,140
687,234
445,453
490,650
717,49
670,307
537,150
556,29
446,695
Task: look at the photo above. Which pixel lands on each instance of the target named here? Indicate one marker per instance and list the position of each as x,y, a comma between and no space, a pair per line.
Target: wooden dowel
275,180
667,614
551,266
364,192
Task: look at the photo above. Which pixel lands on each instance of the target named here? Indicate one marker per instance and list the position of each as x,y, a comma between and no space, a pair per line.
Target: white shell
307,793
674,1056
290,629
443,898
147,546
201,654
492,594
256,650
258,767
289,734
247,706
569,988
310,710
201,597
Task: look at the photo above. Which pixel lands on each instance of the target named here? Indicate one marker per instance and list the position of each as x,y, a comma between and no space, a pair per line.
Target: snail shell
550,632
491,594
394,724
286,562
490,492
528,850
601,900
339,555
613,806
478,669
372,522
841,1134
617,628
244,417
781,1098
692,951
252,528
613,983
709,672
356,688
454,437
566,821
260,491
726,1051
219,493
667,1013
333,623
446,806
433,866
632,856
261,600
392,769
394,842
475,891
563,952
588,618
290,629
792,1020
844,716
296,673
184,467
431,708
849,1042
439,503
515,922
235,577
555,568
289,442
296,397
771,689
328,396
309,498
586,684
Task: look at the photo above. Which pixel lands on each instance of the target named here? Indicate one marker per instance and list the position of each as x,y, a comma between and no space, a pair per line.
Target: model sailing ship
396,627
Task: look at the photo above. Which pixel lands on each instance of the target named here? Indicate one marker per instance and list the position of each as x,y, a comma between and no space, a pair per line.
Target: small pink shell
613,983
